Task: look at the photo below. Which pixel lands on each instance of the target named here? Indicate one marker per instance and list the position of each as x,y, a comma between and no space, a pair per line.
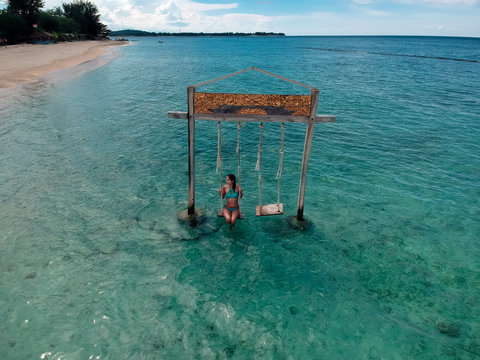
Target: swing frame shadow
310,120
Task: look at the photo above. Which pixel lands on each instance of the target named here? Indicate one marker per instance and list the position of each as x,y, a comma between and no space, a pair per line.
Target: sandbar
26,62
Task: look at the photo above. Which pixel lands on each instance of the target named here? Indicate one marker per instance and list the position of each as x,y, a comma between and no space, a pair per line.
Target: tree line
22,18
129,32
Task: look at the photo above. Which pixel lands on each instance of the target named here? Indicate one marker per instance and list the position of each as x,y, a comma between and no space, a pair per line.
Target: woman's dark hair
233,180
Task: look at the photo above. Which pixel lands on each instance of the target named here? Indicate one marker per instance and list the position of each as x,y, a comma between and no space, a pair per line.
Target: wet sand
25,62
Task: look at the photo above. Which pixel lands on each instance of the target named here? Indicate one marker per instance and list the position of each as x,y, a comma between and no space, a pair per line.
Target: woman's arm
240,192
222,192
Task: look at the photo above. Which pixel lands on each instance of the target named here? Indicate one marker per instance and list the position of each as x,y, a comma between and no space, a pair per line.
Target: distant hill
146,33
132,33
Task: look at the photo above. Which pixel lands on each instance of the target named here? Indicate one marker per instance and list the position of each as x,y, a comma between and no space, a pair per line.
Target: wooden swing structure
252,108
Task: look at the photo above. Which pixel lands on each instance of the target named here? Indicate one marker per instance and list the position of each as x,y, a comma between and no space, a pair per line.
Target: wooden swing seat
241,217
270,209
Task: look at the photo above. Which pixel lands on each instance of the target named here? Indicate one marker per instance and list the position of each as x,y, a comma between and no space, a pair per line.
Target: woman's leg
227,214
235,216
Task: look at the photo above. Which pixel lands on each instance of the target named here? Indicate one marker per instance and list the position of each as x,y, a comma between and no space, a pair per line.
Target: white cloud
238,23
194,6
173,15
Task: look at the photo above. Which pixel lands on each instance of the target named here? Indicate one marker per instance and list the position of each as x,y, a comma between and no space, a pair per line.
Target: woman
233,193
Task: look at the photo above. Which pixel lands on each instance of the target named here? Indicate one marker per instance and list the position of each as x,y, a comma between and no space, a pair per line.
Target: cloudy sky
297,17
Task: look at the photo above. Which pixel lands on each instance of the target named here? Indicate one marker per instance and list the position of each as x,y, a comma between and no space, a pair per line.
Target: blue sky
301,17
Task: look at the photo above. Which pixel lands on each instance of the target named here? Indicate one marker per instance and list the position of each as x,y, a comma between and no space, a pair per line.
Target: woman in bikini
232,192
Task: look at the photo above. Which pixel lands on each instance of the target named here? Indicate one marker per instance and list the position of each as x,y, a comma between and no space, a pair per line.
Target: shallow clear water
95,264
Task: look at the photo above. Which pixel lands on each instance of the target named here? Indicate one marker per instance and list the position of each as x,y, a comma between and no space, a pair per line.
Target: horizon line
293,35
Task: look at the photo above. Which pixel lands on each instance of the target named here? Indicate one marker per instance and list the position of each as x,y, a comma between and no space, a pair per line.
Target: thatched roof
40,35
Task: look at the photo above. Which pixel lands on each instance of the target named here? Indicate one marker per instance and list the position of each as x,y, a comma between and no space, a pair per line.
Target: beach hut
39,36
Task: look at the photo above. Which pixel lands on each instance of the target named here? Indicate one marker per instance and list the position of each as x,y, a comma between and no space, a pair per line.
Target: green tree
104,30
86,14
54,20
58,11
67,25
48,21
28,9
12,25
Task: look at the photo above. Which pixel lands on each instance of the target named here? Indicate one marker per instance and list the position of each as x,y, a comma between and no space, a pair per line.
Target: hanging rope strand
239,127
219,161
219,150
280,162
258,167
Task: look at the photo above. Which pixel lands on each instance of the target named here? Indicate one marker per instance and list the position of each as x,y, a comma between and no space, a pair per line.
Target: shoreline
27,62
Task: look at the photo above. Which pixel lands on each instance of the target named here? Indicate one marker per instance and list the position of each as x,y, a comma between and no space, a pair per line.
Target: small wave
391,54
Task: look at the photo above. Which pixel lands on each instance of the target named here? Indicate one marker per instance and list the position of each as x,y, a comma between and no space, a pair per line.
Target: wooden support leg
303,179
191,152
307,147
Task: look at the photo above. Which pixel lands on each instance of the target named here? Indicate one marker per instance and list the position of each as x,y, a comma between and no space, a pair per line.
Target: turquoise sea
94,263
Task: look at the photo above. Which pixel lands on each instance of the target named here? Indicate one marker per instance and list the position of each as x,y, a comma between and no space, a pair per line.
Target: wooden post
307,147
191,152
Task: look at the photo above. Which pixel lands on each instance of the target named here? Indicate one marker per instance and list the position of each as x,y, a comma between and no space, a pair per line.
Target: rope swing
239,127
219,160
271,209
280,162
252,107
219,164
258,167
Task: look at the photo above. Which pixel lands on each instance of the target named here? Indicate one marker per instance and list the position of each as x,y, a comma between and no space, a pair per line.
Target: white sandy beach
25,62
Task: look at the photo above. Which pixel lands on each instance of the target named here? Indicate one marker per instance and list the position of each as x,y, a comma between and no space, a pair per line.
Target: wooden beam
191,151
283,78
178,115
325,118
252,118
306,154
222,78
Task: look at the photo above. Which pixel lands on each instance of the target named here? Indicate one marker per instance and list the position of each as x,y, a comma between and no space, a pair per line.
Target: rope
239,127
280,163
219,161
258,167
